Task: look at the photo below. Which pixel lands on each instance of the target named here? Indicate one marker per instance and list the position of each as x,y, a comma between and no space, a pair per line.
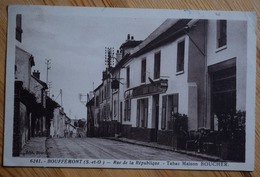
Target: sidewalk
168,148
35,147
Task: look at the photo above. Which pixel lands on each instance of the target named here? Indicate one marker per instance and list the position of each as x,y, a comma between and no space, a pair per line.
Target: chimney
118,55
128,37
36,74
132,38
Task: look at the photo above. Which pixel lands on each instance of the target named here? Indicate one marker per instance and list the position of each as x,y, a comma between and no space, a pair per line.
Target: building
23,100
58,127
186,80
30,101
29,96
33,110
39,88
90,118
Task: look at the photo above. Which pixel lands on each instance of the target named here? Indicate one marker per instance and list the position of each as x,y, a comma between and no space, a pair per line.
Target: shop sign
157,87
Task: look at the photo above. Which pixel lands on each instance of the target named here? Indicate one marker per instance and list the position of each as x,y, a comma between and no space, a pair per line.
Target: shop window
224,91
127,110
142,113
170,107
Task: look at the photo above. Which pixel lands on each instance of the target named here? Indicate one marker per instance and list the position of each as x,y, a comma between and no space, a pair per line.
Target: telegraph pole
48,65
109,57
61,97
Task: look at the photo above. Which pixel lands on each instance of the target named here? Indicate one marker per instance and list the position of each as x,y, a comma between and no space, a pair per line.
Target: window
128,77
143,71
97,120
180,56
115,108
221,33
127,110
107,109
172,109
142,112
104,113
169,108
97,101
19,30
107,90
121,111
157,65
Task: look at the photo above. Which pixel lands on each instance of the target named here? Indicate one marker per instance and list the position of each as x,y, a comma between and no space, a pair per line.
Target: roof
130,44
90,102
51,103
40,82
98,87
169,31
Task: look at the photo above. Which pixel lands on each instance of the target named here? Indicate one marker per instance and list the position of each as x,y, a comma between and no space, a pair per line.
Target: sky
76,47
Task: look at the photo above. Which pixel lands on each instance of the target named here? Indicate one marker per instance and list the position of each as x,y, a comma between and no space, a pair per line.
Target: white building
187,76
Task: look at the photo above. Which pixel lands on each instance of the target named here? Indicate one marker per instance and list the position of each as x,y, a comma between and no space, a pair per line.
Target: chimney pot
36,74
128,37
132,37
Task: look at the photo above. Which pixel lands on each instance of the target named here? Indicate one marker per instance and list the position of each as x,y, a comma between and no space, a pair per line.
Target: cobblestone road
96,148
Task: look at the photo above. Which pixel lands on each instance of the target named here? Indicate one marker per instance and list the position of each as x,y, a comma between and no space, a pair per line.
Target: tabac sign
155,87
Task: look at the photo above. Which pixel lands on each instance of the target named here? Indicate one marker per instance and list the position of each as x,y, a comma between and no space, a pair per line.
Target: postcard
130,88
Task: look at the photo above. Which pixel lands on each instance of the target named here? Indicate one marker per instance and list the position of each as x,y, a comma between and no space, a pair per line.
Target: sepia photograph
130,88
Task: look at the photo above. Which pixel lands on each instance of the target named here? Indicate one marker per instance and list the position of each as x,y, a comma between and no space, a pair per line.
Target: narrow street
97,148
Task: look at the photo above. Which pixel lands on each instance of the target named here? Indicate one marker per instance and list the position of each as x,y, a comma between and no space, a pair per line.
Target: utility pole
48,64
61,97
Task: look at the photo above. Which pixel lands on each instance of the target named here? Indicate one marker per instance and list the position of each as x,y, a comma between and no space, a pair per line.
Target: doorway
223,91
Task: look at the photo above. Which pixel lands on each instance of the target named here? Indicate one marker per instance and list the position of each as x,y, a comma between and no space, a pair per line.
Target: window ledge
221,48
114,92
179,73
157,79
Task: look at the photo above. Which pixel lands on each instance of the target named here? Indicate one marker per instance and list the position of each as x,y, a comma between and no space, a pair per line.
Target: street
97,148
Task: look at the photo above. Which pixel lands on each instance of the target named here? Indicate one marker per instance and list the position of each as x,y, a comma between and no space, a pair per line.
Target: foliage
180,122
231,122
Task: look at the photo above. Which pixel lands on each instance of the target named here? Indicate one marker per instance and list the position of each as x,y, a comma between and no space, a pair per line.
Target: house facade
33,109
226,67
58,127
185,80
23,98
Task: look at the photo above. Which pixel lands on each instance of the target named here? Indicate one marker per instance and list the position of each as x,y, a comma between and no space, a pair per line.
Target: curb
191,153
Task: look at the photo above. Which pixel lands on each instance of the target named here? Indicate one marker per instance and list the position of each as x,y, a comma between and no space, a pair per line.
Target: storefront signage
156,87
